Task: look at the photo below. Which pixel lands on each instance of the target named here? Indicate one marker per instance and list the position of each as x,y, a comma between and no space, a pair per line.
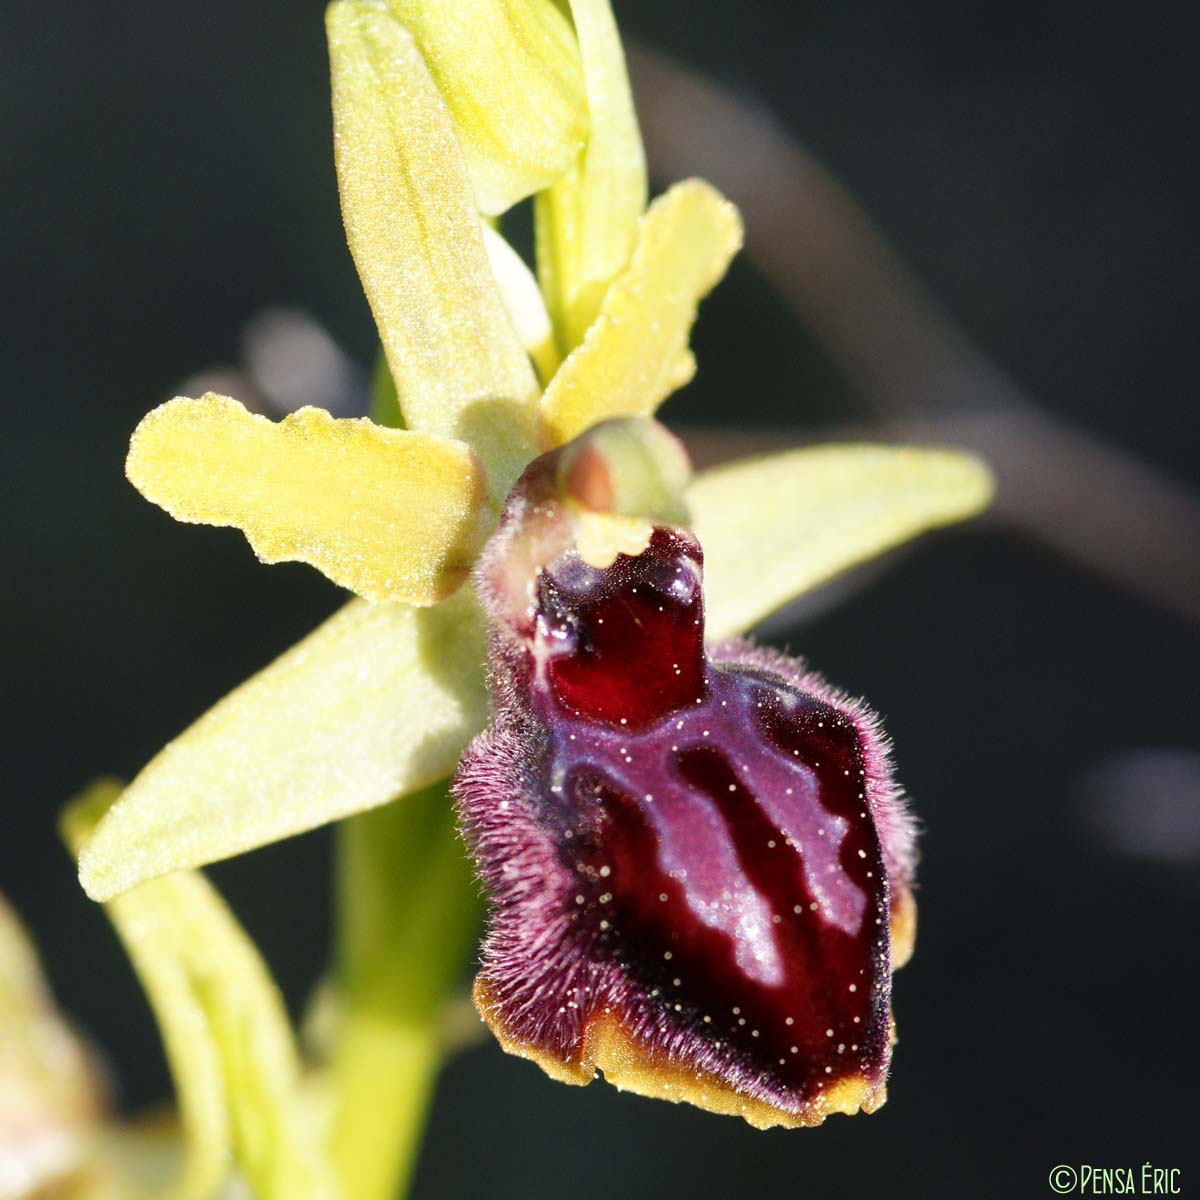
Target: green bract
376,703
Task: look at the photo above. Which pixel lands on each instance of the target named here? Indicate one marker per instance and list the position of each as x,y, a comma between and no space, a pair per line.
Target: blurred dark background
168,173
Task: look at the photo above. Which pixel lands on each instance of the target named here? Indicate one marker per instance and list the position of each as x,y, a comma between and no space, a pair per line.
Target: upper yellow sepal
390,514
417,241
636,351
509,73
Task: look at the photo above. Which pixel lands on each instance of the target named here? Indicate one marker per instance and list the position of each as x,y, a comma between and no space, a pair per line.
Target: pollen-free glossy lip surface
689,887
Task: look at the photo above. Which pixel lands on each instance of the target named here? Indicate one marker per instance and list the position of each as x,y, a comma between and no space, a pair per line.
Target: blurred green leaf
53,1093
224,1029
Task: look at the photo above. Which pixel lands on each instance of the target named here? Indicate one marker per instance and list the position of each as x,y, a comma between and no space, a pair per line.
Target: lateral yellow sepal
387,513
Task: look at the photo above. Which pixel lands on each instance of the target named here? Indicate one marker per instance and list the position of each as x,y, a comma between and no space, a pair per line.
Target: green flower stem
408,914
385,1074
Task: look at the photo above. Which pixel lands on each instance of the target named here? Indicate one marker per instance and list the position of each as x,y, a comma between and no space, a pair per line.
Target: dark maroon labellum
697,860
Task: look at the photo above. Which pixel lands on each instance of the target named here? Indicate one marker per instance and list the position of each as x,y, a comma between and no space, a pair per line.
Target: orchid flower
515,440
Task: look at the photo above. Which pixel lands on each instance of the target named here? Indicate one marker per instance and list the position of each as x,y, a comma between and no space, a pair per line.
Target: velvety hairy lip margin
698,861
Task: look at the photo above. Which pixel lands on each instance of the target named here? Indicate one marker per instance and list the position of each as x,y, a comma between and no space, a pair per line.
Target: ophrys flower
443,113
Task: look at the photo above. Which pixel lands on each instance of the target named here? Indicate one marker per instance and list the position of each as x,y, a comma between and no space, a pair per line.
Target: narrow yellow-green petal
586,223
523,300
377,702
389,514
510,75
636,352
417,240
224,1029
772,528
